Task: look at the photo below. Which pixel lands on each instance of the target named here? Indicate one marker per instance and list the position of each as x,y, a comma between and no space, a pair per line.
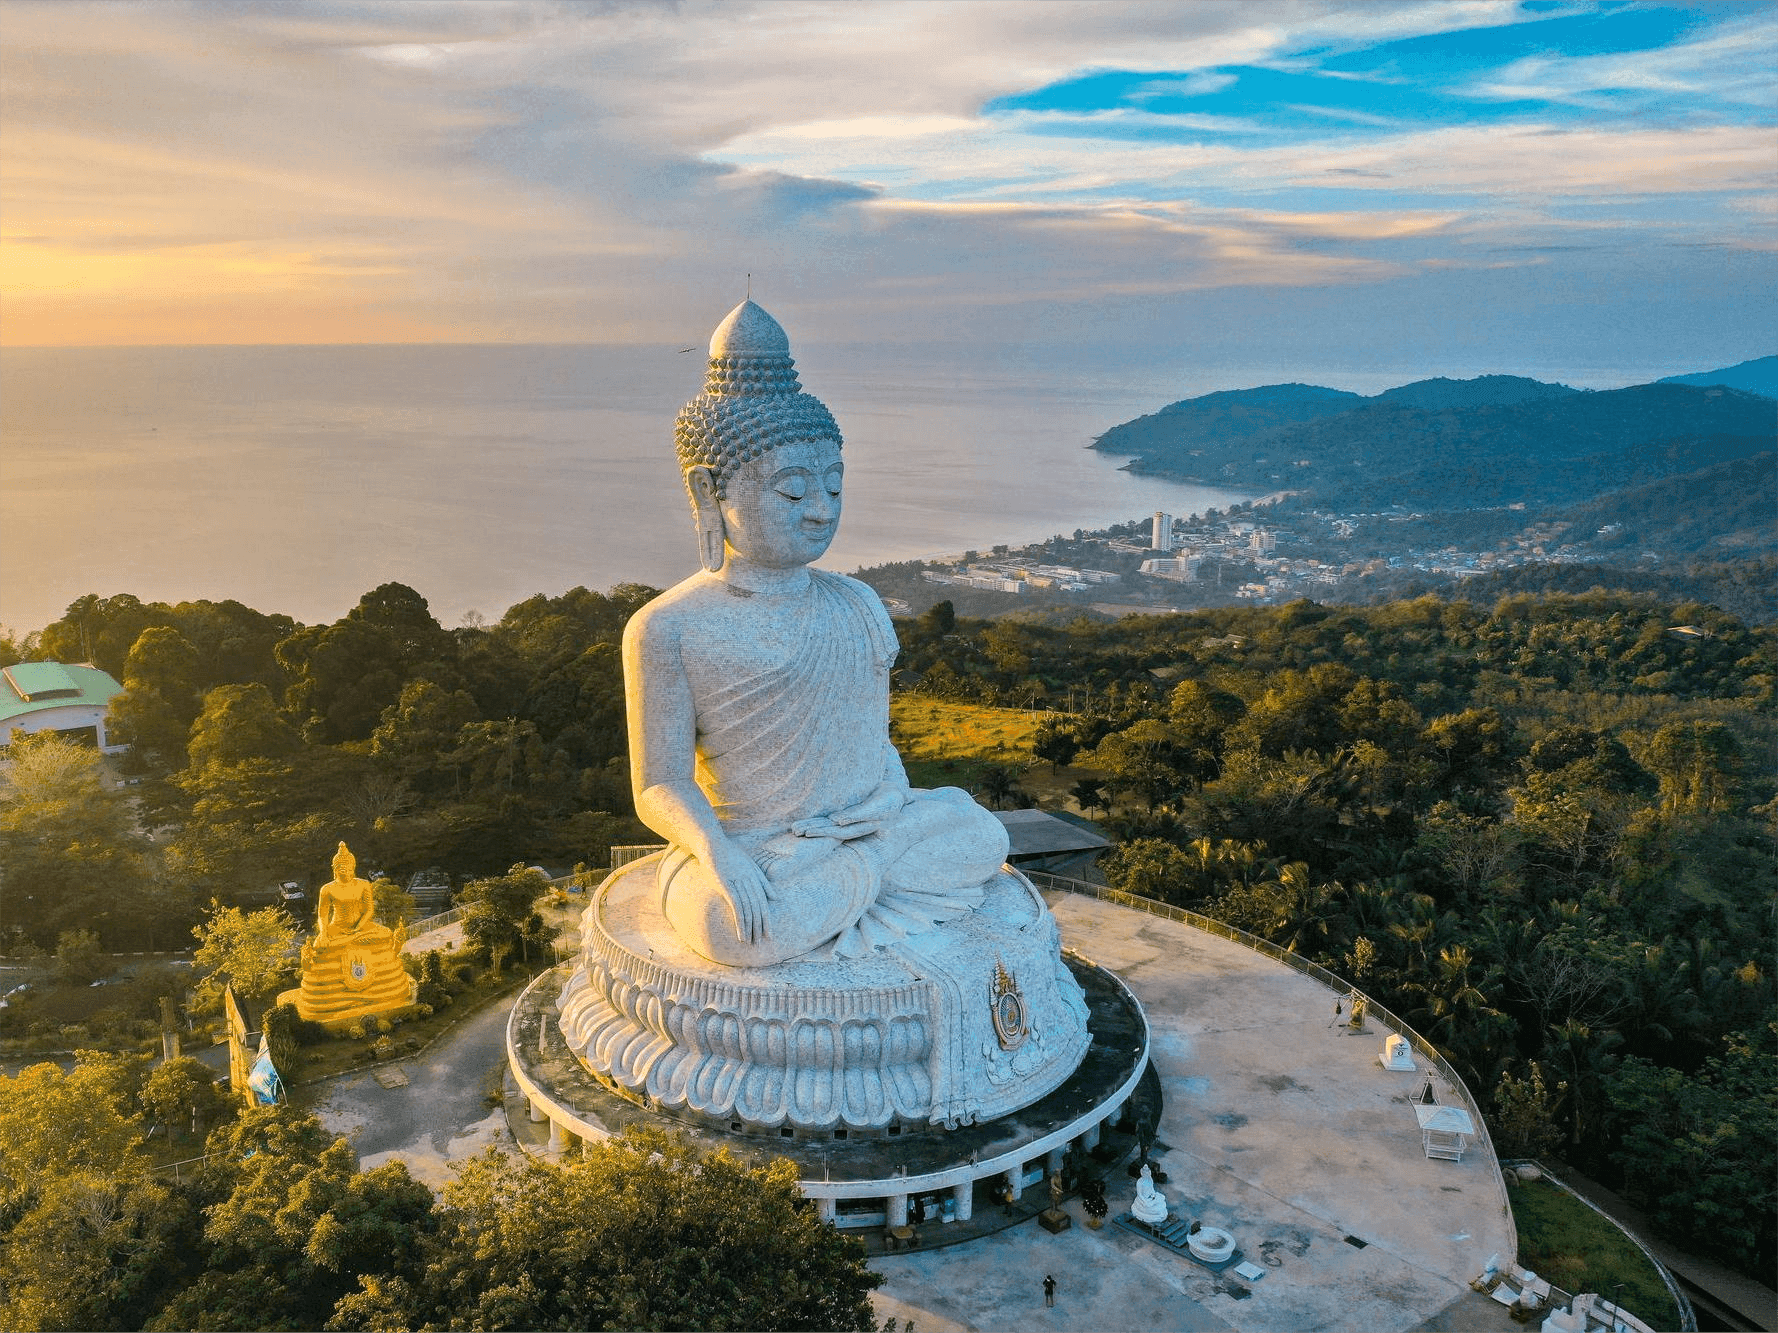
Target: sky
1574,190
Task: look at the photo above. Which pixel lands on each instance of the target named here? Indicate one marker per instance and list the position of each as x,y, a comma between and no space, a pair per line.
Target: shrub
383,1048
356,1031
384,1025
423,1011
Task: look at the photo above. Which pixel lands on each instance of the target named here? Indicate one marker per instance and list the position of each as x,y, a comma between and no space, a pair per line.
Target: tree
939,619
1088,794
499,914
640,1232
183,1094
294,1226
238,723
1523,1122
1146,759
96,1249
998,787
160,698
255,952
344,675
78,957
1696,764
1055,742
1701,1151
69,847
1148,868
53,1123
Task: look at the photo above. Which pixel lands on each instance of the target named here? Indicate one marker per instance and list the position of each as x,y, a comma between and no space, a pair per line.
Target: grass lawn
1567,1243
952,745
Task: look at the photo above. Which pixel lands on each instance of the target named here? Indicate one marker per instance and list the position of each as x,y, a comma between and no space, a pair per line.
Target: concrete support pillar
896,1205
538,1116
558,1136
827,1209
1090,1139
1054,1162
964,1194
1010,1186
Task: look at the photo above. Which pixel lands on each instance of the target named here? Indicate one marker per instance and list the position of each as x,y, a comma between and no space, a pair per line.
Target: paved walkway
430,1112
1278,1127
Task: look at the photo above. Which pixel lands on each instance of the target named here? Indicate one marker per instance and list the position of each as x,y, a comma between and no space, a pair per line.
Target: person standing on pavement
1049,1289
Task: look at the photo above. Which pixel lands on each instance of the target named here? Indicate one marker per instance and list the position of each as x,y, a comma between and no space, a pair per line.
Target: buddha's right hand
745,887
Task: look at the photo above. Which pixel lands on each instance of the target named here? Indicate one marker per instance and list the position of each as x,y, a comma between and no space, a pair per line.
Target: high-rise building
1163,532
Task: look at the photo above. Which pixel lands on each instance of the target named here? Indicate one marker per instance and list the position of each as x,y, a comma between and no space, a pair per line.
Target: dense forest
257,744
1541,830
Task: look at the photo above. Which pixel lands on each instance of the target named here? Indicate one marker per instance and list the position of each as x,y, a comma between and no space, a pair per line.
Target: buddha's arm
663,758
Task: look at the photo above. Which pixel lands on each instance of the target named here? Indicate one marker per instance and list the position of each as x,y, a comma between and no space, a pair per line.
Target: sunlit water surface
296,478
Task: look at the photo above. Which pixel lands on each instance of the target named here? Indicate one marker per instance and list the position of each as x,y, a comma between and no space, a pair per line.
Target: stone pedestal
1054,1220
965,1022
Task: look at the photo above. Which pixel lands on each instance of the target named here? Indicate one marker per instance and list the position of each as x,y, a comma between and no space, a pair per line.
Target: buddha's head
761,458
345,866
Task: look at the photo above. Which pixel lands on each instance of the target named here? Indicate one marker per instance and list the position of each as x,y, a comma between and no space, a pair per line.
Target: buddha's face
783,508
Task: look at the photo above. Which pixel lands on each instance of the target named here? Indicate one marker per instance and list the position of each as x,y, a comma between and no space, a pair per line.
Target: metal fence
438,922
622,856
1045,880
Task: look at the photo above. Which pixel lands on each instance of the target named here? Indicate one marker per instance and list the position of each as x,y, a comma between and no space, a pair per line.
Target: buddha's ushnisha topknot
751,403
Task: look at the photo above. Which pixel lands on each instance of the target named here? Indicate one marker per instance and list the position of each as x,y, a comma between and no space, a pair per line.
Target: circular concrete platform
859,1181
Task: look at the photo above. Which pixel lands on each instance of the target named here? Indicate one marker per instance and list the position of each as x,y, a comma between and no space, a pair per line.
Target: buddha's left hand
868,816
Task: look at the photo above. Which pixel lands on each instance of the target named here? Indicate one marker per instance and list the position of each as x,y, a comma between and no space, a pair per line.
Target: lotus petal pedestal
965,1022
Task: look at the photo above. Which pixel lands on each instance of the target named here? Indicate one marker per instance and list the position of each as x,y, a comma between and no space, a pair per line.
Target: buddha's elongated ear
707,508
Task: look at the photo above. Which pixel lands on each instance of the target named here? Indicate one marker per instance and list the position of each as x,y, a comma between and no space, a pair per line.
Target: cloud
536,171
1732,63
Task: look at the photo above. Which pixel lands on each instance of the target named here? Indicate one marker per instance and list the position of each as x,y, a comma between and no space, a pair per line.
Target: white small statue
1151,1204
1397,1054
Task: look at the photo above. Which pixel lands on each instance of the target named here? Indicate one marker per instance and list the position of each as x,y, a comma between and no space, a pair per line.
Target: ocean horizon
296,478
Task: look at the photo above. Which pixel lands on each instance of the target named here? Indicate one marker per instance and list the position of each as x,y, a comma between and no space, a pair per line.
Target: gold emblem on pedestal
1011,1025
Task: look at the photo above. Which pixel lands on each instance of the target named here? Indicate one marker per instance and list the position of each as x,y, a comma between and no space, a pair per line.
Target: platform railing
1308,967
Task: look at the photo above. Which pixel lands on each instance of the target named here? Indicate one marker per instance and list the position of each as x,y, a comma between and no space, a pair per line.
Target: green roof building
52,696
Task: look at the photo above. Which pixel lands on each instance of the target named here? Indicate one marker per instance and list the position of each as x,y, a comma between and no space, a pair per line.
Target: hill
1556,448
1725,509
1757,376
1437,395
1217,418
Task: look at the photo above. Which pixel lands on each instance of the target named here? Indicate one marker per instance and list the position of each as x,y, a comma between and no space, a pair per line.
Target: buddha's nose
823,507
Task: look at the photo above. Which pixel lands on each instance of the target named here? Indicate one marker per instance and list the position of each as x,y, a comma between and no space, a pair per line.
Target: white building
1162,539
1181,569
51,696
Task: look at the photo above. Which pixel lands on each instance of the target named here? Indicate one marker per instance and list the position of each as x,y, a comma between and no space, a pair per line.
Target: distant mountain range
1757,376
1440,444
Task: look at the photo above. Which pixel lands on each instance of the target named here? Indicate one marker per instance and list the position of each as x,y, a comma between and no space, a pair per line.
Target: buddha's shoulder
687,601
853,589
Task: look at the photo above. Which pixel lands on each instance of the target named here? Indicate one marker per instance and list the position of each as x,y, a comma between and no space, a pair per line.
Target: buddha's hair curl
724,431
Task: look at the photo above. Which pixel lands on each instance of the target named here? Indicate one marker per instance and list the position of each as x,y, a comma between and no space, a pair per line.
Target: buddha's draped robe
809,737
795,741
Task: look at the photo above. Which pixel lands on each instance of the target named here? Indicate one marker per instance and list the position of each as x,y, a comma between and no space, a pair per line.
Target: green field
1571,1246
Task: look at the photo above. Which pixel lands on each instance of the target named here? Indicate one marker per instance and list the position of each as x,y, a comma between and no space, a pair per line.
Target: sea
296,478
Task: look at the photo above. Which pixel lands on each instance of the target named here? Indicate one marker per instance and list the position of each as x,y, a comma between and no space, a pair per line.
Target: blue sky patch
1436,79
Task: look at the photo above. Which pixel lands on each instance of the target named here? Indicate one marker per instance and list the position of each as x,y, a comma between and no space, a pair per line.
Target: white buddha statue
821,946
758,694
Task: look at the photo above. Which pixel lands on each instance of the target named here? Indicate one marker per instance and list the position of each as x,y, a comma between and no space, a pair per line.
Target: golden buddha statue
352,968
